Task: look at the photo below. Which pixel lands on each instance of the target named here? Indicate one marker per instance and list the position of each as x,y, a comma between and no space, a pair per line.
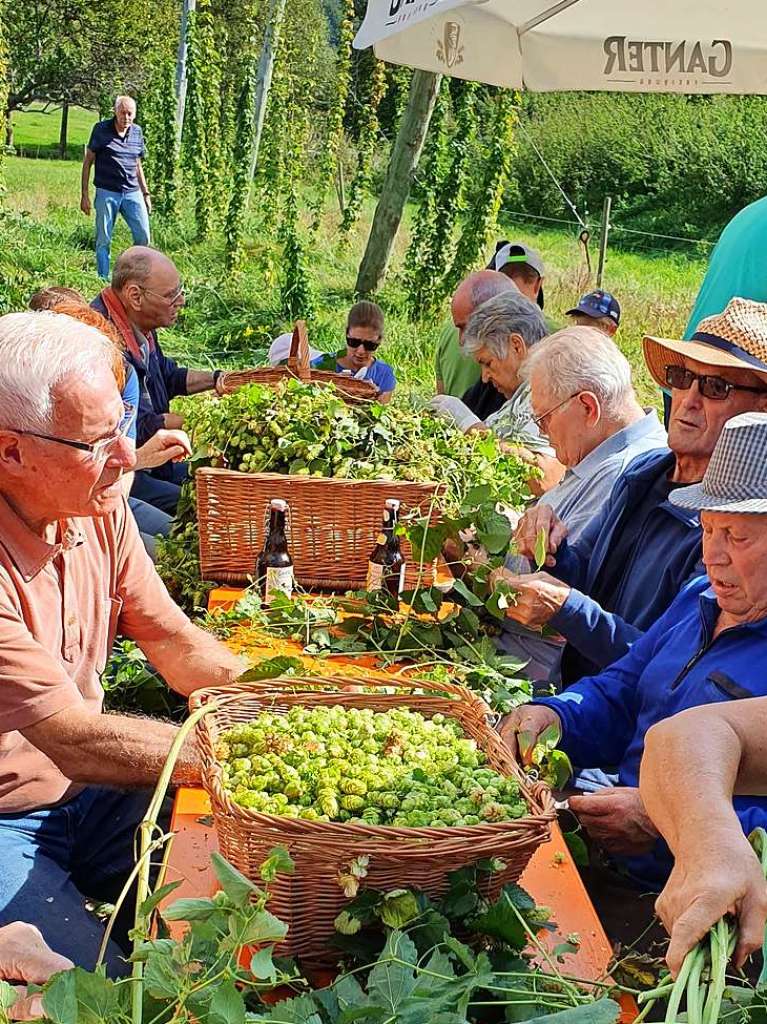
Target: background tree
65,52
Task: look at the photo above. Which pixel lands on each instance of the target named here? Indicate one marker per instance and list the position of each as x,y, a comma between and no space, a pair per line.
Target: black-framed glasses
369,346
98,451
709,385
180,293
538,420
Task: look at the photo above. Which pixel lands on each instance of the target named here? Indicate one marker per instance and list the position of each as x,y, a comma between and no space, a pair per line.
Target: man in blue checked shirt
116,148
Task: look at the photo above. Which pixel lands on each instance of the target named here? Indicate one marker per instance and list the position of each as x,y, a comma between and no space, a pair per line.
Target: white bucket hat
736,477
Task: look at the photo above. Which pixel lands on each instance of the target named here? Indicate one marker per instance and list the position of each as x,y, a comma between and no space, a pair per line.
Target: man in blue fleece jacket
628,565
708,647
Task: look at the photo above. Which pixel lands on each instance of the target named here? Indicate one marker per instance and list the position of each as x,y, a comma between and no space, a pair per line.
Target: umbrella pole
603,239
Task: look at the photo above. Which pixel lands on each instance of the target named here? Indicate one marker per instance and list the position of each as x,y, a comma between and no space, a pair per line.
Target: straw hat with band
735,338
736,477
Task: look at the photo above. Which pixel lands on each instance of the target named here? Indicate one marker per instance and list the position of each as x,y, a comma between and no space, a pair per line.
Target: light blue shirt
578,496
584,489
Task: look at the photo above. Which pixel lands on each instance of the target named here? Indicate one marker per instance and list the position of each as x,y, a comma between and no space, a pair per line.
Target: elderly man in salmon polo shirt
74,782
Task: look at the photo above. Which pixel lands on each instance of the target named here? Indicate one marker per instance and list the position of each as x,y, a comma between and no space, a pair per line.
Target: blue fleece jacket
675,665
597,636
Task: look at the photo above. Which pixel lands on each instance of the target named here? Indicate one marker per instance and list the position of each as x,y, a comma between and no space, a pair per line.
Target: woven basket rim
537,795
430,485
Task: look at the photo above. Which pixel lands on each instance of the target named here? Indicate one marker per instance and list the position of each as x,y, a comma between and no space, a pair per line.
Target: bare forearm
198,380
193,659
114,750
674,752
140,176
86,174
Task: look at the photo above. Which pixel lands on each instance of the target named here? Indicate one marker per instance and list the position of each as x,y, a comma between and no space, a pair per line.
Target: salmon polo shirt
61,606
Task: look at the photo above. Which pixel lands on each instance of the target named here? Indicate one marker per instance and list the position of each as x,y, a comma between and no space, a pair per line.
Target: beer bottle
274,566
386,566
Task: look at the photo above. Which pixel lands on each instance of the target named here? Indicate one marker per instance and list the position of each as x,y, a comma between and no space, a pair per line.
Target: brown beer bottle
386,566
274,566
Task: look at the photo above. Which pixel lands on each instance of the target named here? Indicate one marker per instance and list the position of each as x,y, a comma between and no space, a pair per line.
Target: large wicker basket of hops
333,525
352,391
311,898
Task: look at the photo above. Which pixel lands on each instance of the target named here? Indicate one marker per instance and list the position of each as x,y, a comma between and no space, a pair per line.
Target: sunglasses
710,386
369,346
98,451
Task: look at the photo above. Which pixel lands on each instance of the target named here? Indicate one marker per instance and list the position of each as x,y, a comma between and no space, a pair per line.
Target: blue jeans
133,209
53,858
152,523
160,492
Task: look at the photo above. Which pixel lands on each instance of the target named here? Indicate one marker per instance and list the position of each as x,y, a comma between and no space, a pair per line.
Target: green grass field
36,132
230,319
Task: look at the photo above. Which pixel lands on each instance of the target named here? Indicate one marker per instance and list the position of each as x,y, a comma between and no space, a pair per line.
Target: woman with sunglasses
364,334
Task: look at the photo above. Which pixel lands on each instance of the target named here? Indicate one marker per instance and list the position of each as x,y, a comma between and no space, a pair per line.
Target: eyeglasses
98,451
180,293
710,386
369,346
539,420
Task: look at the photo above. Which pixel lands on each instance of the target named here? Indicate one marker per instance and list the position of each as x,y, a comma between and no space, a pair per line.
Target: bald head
149,287
475,290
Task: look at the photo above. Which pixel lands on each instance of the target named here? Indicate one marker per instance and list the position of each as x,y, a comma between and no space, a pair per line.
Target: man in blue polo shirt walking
116,147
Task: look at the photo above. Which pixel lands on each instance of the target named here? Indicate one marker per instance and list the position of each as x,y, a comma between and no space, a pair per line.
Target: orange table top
551,877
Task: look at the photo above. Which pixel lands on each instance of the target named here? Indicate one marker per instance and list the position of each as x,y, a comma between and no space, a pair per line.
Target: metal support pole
603,240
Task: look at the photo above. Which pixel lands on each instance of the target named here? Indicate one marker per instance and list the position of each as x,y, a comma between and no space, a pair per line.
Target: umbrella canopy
684,46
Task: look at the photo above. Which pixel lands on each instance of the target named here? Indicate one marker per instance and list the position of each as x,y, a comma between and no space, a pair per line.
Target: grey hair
508,313
120,100
37,352
582,359
134,264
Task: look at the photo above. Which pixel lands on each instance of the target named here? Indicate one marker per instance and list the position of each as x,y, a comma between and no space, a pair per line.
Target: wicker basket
352,391
333,525
310,899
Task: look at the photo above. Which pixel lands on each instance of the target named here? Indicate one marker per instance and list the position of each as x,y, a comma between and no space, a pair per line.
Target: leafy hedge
679,165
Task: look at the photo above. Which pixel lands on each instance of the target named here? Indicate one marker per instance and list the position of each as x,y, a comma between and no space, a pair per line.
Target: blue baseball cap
598,304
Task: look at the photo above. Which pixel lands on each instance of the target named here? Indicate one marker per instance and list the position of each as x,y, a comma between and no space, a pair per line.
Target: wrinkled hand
616,819
164,446
538,596
452,409
172,421
85,205
520,729
540,517
719,876
24,956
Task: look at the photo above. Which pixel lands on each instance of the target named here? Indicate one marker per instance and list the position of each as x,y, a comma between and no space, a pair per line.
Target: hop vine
296,291
234,227
482,217
159,124
366,144
4,87
335,121
203,100
442,204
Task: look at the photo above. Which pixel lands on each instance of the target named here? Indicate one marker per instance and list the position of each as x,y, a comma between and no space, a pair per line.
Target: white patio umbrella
682,46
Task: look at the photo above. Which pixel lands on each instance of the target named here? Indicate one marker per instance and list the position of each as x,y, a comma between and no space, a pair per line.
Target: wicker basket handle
298,360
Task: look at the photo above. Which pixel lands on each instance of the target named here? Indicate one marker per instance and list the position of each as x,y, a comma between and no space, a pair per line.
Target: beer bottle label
374,577
381,539
278,581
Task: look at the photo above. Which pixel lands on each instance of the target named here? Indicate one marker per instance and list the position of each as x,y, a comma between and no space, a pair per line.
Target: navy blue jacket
674,666
160,379
600,637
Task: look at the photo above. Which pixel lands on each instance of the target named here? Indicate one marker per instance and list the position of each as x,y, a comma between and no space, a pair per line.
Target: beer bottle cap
279,504
393,504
